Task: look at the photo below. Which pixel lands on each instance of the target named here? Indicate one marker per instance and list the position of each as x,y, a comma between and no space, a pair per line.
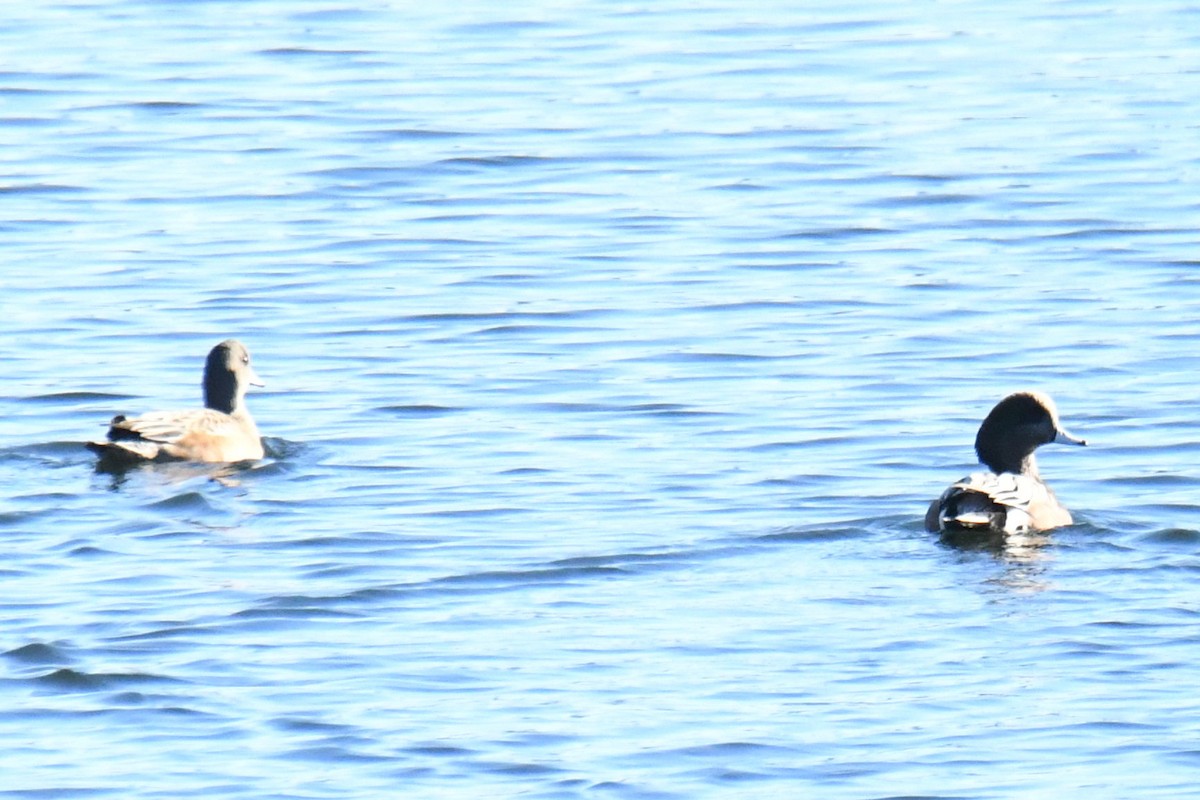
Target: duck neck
1008,457
1029,466
221,392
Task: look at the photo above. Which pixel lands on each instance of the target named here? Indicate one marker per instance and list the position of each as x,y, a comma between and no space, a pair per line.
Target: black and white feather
991,502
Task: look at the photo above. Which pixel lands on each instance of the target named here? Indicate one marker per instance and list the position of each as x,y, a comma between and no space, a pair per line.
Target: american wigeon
221,431
1010,497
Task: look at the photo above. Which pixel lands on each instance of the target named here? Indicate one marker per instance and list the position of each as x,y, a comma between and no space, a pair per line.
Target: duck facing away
1010,497
221,431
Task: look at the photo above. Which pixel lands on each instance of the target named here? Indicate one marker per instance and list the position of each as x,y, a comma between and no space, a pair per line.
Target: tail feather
126,449
972,510
124,444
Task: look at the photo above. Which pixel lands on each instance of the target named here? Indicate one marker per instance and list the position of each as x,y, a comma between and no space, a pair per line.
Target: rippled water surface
613,353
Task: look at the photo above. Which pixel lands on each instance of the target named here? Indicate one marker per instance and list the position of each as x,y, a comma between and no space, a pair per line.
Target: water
613,355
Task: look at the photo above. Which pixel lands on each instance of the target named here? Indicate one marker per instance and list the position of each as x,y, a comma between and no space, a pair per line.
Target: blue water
614,353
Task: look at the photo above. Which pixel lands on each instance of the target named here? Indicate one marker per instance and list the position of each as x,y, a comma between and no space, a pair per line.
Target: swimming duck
221,431
1010,497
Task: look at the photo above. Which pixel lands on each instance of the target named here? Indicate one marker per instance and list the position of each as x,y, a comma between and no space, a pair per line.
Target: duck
1010,496
222,431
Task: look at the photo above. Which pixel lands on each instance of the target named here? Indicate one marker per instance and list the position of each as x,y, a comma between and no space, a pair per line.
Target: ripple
418,410
39,653
185,501
70,680
77,397
1184,537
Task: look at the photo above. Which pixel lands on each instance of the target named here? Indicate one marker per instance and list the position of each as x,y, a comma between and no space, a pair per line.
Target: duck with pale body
1010,497
222,431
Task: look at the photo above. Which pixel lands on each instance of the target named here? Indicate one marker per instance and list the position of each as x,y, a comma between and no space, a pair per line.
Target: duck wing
169,427
1002,503
202,434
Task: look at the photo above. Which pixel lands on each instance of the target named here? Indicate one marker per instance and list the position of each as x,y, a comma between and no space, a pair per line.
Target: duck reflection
118,471
1024,556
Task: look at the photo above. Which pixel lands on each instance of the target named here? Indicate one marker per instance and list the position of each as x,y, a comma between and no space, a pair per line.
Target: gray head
1018,425
227,373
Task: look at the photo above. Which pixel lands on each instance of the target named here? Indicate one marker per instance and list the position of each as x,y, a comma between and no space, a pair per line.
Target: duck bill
253,379
1062,437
